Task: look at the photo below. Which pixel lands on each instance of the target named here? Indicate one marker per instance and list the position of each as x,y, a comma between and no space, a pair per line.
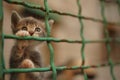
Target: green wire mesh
50,39
48,42
107,36
82,37
2,66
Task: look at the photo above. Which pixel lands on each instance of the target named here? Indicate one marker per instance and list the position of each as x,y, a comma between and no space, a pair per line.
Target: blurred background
67,27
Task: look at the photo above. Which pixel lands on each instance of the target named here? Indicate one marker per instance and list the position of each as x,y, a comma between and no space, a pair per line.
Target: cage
108,38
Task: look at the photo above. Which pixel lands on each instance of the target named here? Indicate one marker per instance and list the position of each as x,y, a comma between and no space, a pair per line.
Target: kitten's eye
24,28
37,29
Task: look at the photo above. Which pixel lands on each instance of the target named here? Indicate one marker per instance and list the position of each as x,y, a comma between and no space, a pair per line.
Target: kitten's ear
15,17
51,22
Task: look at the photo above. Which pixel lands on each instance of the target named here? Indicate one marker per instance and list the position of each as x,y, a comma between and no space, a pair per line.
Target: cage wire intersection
50,39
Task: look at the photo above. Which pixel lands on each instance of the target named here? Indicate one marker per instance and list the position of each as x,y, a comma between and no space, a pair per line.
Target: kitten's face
32,26
29,25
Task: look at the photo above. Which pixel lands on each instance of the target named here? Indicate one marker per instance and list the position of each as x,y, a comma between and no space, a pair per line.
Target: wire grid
49,39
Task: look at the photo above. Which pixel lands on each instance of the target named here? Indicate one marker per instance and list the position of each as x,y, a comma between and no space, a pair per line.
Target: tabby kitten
26,53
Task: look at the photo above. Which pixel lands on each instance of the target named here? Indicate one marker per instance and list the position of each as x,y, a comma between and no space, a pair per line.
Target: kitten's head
30,24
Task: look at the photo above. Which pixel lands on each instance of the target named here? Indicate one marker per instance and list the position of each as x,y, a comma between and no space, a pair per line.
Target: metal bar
107,36
82,37
48,28
117,40
7,71
118,2
1,42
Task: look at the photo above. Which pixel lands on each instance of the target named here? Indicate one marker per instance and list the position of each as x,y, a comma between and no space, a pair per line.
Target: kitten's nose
31,33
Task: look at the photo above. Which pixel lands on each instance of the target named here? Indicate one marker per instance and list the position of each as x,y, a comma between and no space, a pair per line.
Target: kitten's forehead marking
30,22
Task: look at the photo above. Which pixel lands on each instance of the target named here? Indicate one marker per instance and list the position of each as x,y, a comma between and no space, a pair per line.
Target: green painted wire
82,37
118,2
50,39
7,71
107,43
2,66
49,44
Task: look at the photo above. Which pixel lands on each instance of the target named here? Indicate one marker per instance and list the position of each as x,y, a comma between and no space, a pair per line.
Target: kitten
24,53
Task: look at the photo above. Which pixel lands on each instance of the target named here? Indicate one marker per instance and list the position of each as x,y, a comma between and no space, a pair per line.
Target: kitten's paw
27,64
22,33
